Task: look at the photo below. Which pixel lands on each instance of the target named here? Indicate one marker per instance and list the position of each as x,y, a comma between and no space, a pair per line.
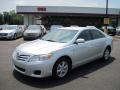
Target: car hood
32,31
38,47
7,31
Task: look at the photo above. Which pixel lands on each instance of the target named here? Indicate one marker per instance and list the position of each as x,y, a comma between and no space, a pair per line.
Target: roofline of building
64,6
69,14
65,10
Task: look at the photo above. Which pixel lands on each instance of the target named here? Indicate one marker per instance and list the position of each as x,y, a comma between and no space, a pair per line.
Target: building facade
66,16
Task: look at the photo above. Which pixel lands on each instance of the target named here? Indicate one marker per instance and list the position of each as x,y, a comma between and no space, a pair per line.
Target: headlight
45,56
34,58
10,34
40,57
14,54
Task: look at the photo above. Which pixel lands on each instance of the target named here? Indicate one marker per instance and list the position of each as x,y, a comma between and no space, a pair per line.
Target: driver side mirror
80,41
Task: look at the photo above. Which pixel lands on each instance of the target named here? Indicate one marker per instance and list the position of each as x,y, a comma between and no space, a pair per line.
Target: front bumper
29,68
6,37
31,36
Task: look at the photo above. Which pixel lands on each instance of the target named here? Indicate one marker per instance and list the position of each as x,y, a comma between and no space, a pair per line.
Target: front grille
23,57
30,34
21,69
3,34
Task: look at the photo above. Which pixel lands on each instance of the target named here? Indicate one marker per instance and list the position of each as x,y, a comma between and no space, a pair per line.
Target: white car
43,29
1,26
22,27
91,27
61,50
74,26
11,32
118,30
110,30
54,27
34,32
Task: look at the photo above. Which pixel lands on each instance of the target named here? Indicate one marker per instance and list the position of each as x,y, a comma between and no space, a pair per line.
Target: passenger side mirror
80,41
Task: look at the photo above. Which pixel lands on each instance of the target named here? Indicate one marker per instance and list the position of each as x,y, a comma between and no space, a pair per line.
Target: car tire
106,55
113,34
15,37
61,68
24,38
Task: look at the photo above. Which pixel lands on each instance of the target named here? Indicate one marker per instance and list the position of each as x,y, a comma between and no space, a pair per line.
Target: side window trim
98,37
87,30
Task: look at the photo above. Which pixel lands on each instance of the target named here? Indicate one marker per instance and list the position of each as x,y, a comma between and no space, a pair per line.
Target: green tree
1,19
12,18
15,18
6,17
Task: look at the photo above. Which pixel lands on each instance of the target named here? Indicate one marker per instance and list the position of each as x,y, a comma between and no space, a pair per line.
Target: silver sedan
10,32
61,50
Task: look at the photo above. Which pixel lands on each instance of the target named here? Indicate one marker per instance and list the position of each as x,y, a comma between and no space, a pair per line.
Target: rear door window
97,34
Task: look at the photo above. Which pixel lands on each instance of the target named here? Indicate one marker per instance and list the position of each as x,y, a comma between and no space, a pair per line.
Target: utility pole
106,19
106,8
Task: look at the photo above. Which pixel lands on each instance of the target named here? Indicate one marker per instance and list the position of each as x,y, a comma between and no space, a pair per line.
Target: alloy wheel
106,54
62,69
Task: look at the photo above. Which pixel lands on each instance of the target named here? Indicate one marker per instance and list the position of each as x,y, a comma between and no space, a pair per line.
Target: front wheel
106,55
15,37
61,69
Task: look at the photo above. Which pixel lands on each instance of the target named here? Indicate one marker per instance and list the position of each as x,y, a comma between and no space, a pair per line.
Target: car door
99,42
83,51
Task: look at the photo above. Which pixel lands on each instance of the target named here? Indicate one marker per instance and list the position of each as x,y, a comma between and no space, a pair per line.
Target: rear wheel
106,55
61,68
113,34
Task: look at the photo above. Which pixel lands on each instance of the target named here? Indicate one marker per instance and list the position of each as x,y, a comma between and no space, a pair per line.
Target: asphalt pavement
97,75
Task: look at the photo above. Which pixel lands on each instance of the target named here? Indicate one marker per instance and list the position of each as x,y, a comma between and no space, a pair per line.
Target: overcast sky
7,5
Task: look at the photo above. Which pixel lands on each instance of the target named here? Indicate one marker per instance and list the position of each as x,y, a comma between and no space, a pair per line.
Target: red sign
41,9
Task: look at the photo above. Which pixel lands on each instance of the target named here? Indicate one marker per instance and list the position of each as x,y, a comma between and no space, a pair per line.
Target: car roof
52,26
34,25
11,25
56,25
76,28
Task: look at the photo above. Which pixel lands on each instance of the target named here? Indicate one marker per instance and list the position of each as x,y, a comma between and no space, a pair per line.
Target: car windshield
32,27
59,35
109,27
10,28
55,27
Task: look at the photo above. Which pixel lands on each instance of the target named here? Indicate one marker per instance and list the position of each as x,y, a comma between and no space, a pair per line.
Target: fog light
37,72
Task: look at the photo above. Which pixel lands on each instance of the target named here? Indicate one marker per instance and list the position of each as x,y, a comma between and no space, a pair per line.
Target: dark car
111,30
118,30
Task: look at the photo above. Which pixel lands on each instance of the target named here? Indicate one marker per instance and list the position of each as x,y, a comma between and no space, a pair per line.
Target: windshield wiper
51,40
48,40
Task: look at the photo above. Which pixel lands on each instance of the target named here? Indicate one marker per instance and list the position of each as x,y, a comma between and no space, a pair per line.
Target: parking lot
97,75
